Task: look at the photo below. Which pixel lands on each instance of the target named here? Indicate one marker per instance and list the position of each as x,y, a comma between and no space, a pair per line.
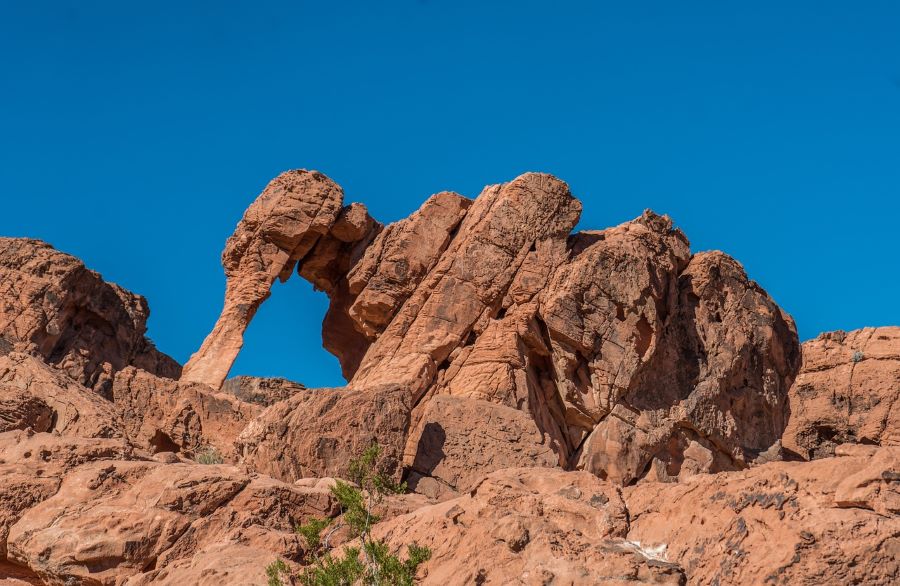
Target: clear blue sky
134,134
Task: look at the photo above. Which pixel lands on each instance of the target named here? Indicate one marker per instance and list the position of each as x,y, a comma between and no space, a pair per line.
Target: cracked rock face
531,526
316,432
52,306
848,391
161,415
36,396
277,230
531,384
781,523
626,355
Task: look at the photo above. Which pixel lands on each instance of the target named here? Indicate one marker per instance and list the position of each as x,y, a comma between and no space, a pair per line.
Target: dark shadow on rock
161,442
429,451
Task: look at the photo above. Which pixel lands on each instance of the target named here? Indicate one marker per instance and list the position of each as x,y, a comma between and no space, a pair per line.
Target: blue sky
134,134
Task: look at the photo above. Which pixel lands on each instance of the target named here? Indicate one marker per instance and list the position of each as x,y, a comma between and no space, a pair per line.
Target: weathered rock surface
114,520
399,259
11,575
468,283
716,381
37,396
316,432
530,526
327,267
234,544
84,511
53,306
164,415
260,390
780,523
278,229
848,390
32,467
631,356
458,441
532,385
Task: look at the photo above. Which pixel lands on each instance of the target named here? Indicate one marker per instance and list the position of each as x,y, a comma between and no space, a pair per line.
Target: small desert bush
275,571
209,455
371,565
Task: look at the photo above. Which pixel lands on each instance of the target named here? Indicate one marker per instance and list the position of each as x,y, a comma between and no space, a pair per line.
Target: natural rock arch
630,355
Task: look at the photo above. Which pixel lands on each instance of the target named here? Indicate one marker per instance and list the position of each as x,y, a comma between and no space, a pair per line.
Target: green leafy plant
370,565
858,356
209,455
335,571
275,571
312,532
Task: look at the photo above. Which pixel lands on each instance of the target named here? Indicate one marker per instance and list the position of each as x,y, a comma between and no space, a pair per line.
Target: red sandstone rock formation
54,307
161,415
532,526
280,228
558,402
37,396
261,391
848,390
833,521
630,355
316,432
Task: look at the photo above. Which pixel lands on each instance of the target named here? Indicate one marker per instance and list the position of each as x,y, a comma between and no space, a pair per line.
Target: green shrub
334,571
275,571
209,455
312,532
371,565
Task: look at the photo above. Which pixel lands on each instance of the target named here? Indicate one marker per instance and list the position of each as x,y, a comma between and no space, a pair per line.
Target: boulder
716,381
162,415
317,432
52,306
604,313
458,441
261,390
848,390
37,396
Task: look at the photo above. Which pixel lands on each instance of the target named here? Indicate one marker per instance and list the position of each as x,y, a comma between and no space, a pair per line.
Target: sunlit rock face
592,407
629,356
848,391
54,307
